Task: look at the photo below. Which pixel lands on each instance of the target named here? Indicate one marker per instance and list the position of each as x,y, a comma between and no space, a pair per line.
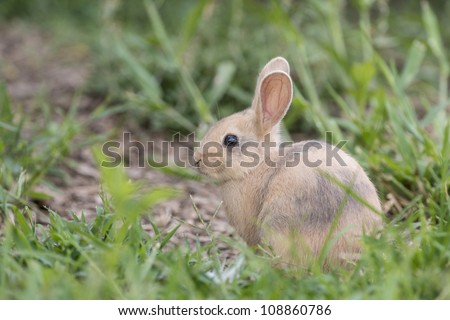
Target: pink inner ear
275,98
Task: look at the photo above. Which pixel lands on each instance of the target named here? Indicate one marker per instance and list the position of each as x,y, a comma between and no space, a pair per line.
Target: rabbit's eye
230,141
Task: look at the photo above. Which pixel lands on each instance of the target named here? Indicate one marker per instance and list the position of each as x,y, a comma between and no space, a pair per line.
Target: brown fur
290,208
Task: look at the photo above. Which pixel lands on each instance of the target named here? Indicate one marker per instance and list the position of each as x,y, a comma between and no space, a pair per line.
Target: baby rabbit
292,197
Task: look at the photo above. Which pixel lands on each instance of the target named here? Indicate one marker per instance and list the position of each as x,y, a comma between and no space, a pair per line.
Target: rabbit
290,197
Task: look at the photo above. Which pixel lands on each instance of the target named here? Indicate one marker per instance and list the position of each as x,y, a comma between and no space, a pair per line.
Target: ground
33,66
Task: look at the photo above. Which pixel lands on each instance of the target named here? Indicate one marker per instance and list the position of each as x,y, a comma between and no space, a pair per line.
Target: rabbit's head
234,145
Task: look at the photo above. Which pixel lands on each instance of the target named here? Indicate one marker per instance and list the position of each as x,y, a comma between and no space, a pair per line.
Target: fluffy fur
287,197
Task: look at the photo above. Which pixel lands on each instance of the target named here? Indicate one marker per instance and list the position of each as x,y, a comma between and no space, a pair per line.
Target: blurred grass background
374,73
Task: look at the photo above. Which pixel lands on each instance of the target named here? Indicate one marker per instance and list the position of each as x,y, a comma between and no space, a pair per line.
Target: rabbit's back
316,182
308,196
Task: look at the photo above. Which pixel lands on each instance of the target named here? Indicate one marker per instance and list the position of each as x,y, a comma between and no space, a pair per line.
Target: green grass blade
199,103
414,60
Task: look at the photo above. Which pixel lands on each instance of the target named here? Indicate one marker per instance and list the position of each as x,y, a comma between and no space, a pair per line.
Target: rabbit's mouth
200,167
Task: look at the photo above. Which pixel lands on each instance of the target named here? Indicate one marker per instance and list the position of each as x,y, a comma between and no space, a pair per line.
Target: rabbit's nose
197,158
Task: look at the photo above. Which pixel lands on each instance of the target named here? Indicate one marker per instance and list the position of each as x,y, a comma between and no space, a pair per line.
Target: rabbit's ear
276,64
272,100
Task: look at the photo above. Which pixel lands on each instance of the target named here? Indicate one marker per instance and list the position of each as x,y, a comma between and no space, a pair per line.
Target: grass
374,75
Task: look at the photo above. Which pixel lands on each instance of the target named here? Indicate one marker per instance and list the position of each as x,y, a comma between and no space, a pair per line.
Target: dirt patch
35,69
